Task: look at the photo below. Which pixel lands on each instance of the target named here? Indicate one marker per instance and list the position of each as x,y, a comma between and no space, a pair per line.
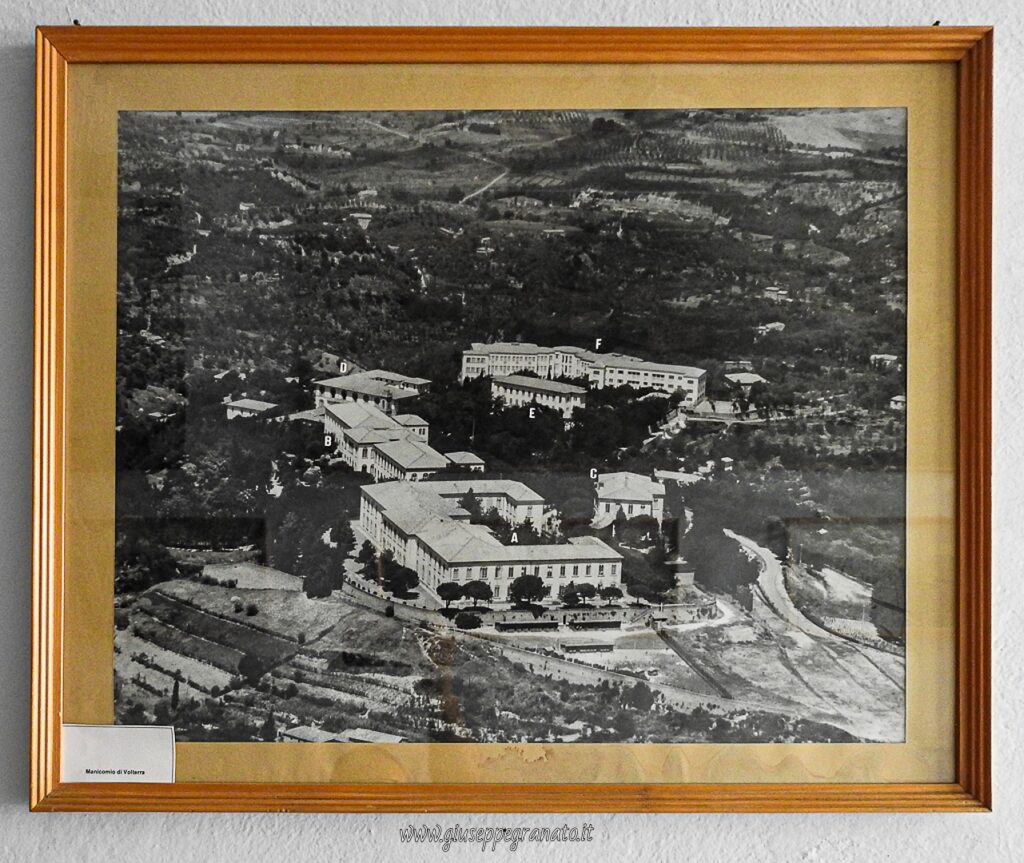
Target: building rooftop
628,486
745,378
620,361
313,415
460,457
363,384
409,506
510,488
524,348
411,454
362,415
368,436
409,420
309,734
395,377
367,735
678,476
540,385
463,543
251,404
531,349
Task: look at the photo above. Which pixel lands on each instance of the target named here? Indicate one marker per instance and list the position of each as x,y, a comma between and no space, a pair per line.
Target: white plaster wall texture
157,837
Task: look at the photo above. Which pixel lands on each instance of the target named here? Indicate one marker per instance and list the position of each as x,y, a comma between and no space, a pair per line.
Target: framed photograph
512,420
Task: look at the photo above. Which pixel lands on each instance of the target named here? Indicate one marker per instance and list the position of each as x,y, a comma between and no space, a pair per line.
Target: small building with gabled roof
247,408
630,493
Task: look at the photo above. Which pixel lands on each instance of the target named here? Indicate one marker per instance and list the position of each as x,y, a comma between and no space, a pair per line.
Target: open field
282,613
243,639
254,576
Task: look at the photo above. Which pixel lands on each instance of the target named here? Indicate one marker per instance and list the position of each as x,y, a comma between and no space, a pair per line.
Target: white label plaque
117,753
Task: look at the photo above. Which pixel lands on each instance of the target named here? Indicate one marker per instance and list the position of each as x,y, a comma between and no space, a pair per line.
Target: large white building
426,529
385,447
380,388
518,390
631,493
501,359
506,358
614,370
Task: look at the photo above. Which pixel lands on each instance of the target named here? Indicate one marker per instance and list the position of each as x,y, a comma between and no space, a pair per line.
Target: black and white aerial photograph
512,426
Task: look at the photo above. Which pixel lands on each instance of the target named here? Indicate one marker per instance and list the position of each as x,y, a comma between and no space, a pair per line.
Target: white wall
116,838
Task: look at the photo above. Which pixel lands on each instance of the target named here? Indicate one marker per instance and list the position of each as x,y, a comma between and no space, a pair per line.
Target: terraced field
136,653
175,640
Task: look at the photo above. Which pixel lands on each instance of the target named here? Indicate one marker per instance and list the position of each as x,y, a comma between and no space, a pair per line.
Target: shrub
467,620
389,611
251,609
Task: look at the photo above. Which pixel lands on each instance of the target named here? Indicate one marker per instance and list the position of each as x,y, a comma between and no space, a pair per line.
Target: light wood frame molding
970,48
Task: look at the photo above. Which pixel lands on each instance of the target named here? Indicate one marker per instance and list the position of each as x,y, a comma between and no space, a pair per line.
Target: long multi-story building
426,529
506,358
619,371
501,359
380,388
518,390
385,447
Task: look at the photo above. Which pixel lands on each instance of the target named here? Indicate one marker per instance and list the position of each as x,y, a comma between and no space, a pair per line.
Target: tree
268,731
776,537
527,589
400,580
317,585
466,620
175,694
449,591
641,696
586,591
471,503
343,536
571,598
624,725
610,593
478,591
251,668
367,558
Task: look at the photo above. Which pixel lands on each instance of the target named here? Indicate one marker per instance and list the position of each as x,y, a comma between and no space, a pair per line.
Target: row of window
641,507
564,571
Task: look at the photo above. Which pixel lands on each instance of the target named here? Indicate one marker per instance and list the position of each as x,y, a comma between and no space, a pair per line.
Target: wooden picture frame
969,49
